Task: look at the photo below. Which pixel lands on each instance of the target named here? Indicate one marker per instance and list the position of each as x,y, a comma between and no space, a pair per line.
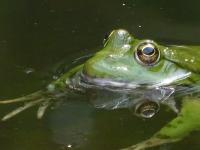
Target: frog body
141,75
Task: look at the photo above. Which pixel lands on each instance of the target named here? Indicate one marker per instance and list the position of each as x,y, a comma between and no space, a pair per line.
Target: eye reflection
147,53
146,109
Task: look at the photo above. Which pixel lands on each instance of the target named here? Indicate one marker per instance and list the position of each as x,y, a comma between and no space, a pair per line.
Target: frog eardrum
147,53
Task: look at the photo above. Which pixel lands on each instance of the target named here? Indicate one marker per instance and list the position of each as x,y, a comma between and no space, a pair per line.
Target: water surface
36,36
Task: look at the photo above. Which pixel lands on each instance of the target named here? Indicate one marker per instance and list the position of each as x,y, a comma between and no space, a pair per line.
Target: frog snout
146,108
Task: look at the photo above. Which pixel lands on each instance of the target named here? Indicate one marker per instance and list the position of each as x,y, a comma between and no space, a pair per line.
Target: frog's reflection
77,124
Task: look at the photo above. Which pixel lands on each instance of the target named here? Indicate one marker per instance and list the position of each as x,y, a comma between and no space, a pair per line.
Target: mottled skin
116,68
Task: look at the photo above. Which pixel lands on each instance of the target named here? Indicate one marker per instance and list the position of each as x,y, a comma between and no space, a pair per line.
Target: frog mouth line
107,83
124,85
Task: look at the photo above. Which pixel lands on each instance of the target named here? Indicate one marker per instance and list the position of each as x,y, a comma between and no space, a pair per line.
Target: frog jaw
127,76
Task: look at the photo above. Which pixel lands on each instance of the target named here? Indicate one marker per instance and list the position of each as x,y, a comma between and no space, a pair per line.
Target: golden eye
147,53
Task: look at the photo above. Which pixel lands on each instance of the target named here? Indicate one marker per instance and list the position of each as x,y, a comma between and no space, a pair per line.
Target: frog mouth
125,85
105,83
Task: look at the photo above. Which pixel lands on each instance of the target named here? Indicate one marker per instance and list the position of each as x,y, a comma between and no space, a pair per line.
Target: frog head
128,62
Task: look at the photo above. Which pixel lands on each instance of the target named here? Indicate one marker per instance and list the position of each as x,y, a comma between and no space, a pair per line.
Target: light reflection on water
39,34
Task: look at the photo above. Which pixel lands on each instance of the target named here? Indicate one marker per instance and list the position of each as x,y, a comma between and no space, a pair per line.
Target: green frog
136,74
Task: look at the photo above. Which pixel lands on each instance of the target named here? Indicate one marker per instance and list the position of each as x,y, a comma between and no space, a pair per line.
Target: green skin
116,64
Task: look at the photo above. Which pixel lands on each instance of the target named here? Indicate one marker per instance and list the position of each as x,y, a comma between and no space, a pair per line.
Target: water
36,35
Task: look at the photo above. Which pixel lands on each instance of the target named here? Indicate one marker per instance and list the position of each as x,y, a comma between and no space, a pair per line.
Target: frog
134,74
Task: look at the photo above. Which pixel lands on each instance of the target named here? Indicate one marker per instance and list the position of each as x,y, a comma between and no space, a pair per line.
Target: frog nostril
105,38
146,109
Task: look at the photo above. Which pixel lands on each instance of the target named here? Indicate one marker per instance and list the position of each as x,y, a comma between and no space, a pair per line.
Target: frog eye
147,53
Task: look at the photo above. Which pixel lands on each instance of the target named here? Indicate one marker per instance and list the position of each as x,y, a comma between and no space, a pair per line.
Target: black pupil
148,50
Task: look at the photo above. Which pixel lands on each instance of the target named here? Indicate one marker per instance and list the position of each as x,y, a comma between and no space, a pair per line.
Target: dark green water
36,35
